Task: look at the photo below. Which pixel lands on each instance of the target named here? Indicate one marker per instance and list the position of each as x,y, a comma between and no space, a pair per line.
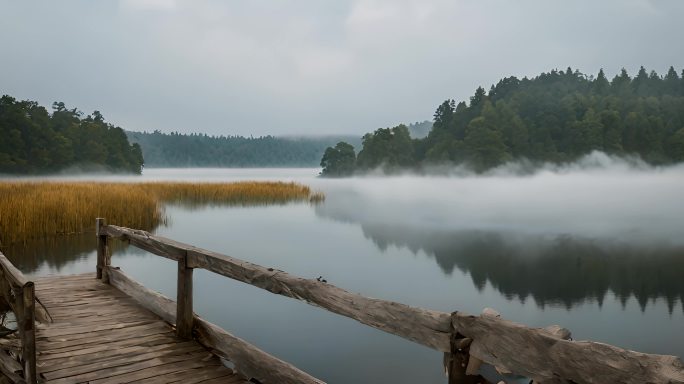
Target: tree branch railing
20,296
546,355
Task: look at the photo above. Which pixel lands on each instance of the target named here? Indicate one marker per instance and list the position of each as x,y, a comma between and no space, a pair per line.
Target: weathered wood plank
114,339
184,300
27,325
14,275
95,327
85,320
544,357
10,368
51,345
163,373
140,341
193,375
103,258
108,334
427,327
153,301
248,359
161,246
78,369
116,354
122,369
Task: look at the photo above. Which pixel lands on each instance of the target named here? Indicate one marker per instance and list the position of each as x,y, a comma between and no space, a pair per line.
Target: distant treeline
34,141
554,117
200,150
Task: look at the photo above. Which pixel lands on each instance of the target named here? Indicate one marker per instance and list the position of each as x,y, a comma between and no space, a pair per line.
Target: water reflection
551,269
55,252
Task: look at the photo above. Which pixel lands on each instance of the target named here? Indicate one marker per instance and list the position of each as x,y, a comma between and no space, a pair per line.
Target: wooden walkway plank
101,335
118,361
110,354
147,341
165,373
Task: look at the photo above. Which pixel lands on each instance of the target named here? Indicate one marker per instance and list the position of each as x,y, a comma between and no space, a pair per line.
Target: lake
599,251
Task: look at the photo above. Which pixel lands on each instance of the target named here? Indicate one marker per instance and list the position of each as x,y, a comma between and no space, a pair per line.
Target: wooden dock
108,328
101,335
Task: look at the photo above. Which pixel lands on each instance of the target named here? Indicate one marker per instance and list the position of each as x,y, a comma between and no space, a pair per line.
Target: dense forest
200,150
34,141
554,117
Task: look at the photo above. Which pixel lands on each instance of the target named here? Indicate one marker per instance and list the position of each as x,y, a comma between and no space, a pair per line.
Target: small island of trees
555,117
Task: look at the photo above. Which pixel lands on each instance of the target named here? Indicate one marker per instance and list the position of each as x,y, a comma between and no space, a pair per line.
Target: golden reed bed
30,210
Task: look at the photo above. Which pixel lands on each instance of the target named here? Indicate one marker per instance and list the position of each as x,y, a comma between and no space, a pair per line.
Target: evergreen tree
601,85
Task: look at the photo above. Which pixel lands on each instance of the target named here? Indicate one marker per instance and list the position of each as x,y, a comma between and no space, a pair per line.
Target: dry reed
30,210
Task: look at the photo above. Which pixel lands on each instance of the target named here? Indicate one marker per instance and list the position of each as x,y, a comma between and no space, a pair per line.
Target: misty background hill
201,150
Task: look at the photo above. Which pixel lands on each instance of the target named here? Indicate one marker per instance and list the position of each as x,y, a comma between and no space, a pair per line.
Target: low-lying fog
598,198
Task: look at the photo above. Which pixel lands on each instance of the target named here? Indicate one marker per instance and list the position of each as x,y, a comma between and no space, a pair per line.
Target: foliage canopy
557,116
35,141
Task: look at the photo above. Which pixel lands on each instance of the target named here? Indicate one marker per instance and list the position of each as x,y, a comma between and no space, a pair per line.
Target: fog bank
598,197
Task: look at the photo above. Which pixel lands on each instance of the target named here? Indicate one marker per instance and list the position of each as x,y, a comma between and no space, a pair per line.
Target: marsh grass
31,210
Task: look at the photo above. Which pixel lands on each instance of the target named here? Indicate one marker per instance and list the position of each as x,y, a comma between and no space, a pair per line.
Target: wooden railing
20,296
546,355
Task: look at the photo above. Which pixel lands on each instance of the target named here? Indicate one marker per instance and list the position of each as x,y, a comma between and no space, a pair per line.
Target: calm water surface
600,252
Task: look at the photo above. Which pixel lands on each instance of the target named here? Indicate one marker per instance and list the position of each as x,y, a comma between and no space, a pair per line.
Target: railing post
458,364
103,259
184,311
26,324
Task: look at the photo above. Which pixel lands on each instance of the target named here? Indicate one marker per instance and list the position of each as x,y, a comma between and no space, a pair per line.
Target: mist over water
598,198
596,246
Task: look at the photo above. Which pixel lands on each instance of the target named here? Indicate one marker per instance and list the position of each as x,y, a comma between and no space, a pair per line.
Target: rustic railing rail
546,355
19,294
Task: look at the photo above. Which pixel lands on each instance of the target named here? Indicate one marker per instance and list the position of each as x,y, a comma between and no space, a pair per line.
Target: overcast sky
311,66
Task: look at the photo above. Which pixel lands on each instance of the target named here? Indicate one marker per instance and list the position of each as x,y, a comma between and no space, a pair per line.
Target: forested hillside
554,117
200,150
34,141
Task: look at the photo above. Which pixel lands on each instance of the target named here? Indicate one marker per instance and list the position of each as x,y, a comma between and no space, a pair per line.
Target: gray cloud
257,67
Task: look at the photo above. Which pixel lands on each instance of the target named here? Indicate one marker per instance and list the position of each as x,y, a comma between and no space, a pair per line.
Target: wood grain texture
10,368
19,294
26,323
102,247
184,311
158,245
545,356
114,339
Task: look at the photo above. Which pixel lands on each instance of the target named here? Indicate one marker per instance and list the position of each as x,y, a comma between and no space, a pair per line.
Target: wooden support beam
28,325
459,365
103,256
24,311
184,312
